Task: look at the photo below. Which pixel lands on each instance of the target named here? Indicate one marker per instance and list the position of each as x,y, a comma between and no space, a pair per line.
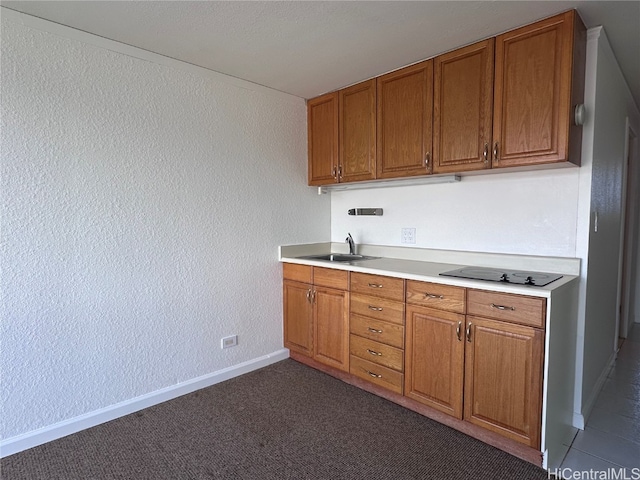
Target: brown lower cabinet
501,364
476,356
435,359
503,378
486,371
316,316
377,330
298,317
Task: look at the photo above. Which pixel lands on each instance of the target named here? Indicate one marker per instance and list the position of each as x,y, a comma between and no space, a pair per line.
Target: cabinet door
533,93
357,140
322,139
298,317
405,120
462,108
331,327
435,359
503,378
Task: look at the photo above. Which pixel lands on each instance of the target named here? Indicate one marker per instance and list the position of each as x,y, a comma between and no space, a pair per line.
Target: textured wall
609,139
532,213
142,206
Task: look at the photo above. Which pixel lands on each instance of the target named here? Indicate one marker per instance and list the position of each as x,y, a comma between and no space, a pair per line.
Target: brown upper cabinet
342,135
539,80
503,102
462,109
405,121
322,141
357,122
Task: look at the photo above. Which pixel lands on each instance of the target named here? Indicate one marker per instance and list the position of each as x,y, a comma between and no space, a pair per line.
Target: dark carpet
285,421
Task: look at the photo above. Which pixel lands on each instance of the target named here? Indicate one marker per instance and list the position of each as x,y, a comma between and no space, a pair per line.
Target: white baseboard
67,427
580,419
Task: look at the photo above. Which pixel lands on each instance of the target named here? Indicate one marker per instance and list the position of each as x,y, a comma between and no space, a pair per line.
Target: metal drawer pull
458,331
373,352
374,375
469,332
309,295
495,152
375,285
373,330
375,309
431,295
485,153
502,307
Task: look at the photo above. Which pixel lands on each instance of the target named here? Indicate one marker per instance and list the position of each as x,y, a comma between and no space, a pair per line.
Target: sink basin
338,257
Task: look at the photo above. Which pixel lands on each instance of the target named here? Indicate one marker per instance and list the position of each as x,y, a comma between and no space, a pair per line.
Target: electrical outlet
408,236
230,341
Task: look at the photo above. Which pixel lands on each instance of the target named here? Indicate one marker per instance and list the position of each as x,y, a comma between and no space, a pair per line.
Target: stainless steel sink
338,257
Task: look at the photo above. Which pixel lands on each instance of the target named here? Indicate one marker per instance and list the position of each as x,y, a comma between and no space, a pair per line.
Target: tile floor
611,439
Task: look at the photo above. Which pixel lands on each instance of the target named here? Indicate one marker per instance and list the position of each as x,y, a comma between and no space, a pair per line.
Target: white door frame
628,234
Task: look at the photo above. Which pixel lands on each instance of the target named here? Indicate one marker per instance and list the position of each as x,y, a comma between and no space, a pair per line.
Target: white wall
530,213
612,106
143,201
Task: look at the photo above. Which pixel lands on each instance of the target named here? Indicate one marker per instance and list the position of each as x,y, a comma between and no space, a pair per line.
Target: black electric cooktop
536,279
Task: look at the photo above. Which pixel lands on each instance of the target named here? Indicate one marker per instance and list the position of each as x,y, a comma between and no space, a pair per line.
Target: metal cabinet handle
485,153
309,295
427,161
340,171
469,332
375,309
375,285
373,330
502,307
374,375
373,352
458,331
495,152
334,172
431,295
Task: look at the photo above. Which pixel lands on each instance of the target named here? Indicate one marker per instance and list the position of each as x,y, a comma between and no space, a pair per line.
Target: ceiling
307,48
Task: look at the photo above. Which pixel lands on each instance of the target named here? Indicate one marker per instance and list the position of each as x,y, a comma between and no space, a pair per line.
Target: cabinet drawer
378,330
434,295
383,376
379,308
377,352
378,285
328,277
507,307
297,273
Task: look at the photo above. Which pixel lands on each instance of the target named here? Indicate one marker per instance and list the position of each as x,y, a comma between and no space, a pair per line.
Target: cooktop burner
537,279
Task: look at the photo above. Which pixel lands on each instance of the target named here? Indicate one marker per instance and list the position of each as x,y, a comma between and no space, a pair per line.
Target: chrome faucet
352,244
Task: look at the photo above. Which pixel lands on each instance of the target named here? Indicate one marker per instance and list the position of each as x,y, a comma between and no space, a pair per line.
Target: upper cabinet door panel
322,138
533,93
405,111
357,123
462,108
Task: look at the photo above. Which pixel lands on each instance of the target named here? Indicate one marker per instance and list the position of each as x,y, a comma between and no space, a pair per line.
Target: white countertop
429,271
